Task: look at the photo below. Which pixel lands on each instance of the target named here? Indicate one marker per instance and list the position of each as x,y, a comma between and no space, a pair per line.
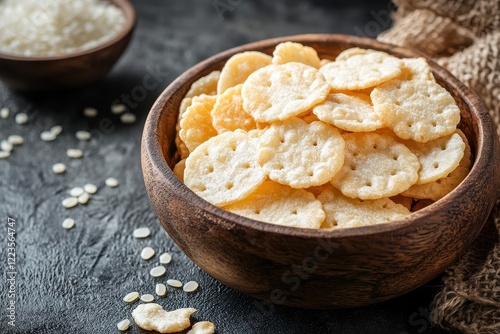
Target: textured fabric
464,37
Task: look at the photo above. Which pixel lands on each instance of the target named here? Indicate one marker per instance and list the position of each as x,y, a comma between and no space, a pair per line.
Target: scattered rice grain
74,153
147,298
4,112
83,198
15,140
48,136
90,112
118,108
141,232
59,168
158,271
131,297
190,286
128,118
6,146
123,325
161,289
165,258
56,130
76,191
4,155
90,188
83,135
175,283
147,253
68,223
69,202
111,182
21,118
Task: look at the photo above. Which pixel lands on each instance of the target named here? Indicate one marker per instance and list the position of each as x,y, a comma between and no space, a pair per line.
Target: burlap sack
464,36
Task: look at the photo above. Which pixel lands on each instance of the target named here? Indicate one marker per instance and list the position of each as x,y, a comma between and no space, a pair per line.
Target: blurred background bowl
71,70
317,268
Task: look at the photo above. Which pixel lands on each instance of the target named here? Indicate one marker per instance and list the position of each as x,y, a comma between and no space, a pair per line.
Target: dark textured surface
73,281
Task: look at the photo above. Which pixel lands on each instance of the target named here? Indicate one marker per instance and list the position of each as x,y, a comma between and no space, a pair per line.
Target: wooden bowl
40,73
314,268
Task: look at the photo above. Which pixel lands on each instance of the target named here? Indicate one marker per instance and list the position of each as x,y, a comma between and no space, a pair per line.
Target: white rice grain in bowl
72,37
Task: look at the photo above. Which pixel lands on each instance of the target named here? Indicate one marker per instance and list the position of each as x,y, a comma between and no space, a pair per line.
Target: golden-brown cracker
375,166
278,92
181,147
281,205
205,85
301,155
345,212
239,67
441,187
360,70
437,157
228,113
179,169
196,122
185,103
295,52
350,112
225,169
416,109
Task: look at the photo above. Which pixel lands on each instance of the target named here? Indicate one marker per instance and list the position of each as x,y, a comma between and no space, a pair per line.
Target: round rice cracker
278,92
237,68
295,52
205,85
438,157
277,204
224,169
179,169
196,123
228,113
350,112
324,61
345,212
375,166
416,69
361,69
301,155
309,118
416,109
181,147
441,187
347,53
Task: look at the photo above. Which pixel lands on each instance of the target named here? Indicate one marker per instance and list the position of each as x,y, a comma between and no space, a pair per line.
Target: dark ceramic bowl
317,268
69,70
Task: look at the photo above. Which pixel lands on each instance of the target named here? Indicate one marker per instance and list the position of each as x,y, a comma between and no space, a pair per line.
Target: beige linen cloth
464,37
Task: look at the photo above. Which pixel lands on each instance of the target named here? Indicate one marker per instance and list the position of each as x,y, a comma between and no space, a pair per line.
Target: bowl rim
130,21
486,138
